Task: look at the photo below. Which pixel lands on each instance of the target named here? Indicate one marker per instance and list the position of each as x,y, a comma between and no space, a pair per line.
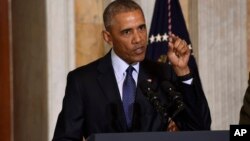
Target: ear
107,37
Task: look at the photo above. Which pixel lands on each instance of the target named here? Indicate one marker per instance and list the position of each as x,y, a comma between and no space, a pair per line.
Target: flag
167,18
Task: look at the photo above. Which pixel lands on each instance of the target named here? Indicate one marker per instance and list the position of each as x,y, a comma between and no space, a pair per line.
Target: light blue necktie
129,90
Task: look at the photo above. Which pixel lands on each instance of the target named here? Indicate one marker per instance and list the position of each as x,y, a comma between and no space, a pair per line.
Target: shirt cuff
188,82
186,79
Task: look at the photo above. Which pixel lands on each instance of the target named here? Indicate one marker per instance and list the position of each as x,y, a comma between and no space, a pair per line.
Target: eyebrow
142,25
126,29
129,29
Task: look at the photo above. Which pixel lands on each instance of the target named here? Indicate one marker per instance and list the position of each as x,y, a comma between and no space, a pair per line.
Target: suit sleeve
196,115
69,125
245,109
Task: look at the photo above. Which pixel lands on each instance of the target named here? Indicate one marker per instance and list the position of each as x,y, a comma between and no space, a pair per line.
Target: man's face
128,36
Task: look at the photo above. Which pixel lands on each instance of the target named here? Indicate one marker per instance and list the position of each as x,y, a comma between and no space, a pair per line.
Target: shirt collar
120,65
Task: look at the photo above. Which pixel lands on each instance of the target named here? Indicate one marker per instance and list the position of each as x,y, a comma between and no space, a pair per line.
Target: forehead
130,17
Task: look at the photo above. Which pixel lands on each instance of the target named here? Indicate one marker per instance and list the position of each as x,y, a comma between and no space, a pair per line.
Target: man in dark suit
105,96
245,109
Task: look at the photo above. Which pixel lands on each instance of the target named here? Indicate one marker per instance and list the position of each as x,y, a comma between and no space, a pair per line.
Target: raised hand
178,55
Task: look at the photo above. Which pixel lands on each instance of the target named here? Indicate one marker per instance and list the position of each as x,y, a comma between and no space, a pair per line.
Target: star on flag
158,38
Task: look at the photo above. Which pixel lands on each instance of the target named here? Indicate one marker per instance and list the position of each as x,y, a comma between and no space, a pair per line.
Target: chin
140,58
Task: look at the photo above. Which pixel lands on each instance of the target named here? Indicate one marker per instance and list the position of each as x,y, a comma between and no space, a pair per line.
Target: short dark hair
116,7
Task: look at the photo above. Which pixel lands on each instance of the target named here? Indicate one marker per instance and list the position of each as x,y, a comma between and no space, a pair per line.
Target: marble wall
223,57
88,23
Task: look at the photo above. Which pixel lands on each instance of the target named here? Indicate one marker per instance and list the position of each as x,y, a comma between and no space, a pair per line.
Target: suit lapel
107,82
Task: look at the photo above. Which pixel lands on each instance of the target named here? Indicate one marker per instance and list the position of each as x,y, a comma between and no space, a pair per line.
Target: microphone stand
155,101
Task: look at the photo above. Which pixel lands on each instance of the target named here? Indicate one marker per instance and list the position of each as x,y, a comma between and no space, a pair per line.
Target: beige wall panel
192,21
223,57
185,10
89,42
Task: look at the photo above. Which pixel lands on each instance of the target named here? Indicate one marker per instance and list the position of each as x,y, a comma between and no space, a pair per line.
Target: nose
137,37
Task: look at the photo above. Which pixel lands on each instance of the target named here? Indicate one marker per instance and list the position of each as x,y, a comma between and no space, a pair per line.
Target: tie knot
130,70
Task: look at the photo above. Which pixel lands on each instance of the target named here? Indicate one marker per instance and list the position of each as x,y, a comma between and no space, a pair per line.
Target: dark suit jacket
245,109
92,102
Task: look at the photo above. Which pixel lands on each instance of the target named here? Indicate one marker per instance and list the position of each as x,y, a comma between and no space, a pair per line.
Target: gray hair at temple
116,7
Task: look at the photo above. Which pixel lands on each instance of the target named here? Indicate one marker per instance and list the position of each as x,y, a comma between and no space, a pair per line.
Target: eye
142,28
126,32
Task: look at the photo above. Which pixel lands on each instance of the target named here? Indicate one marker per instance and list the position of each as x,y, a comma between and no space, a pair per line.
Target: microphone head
175,98
171,91
146,85
167,86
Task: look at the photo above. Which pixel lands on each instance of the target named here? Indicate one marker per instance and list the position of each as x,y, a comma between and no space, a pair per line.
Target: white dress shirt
120,67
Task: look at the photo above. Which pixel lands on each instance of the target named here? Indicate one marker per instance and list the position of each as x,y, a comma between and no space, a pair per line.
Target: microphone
146,87
174,96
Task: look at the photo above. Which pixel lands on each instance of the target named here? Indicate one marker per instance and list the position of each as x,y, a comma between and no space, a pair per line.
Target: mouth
139,50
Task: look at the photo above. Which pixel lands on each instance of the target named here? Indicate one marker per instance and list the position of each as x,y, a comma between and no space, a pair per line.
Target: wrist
185,77
182,72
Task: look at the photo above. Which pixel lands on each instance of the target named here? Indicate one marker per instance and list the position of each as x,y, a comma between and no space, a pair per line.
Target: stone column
43,54
29,70
60,33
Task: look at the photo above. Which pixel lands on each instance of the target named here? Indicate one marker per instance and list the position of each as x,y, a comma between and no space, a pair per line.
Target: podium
163,136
